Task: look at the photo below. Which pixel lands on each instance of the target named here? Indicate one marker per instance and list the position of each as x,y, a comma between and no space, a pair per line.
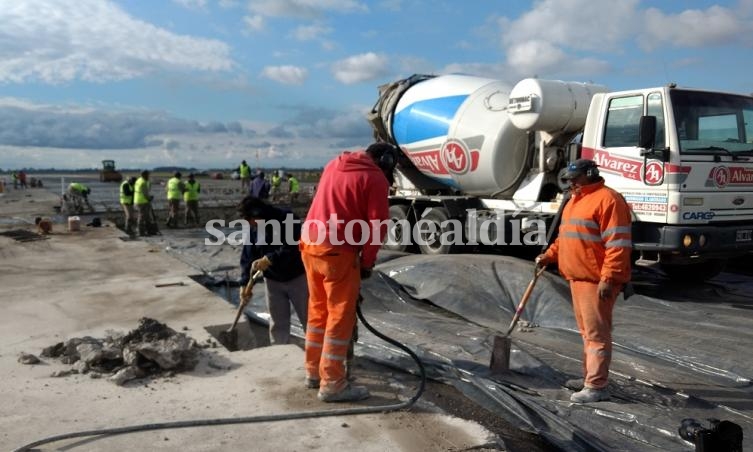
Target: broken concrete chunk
63,373
177,351
28,358
127,374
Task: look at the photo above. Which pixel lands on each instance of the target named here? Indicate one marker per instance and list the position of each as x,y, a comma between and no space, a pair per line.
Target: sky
287,83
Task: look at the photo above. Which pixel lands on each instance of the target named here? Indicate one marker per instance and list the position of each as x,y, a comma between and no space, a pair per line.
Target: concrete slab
87,283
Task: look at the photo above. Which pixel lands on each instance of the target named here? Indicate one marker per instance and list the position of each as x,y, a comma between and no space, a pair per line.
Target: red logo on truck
629,169
654,173
721,176
455,157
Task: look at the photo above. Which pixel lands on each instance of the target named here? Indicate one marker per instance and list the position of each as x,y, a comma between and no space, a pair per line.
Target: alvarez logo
629,169
722,176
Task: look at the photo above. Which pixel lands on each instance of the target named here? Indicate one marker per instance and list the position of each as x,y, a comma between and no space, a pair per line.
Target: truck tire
430,243
690,273
394,240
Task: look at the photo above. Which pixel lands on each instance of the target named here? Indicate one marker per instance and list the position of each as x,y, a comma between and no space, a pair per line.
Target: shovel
229,338
500,361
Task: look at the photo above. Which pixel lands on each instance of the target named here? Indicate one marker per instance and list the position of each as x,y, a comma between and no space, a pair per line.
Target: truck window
748,118
718,128
623,118
655,107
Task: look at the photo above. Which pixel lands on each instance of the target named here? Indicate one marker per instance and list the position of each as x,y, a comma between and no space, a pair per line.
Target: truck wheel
396,236
430,242
699,272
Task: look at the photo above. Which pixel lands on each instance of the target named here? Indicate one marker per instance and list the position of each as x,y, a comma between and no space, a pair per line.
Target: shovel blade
500,362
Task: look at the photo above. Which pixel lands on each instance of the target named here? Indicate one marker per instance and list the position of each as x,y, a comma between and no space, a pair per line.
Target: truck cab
683,160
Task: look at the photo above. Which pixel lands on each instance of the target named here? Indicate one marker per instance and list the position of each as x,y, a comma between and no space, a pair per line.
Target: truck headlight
687,240
702,240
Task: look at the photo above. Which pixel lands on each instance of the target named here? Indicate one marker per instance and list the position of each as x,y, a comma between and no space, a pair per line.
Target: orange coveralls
352,188
594,244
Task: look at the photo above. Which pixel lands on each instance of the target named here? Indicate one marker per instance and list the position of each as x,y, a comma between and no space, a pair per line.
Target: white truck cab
683,160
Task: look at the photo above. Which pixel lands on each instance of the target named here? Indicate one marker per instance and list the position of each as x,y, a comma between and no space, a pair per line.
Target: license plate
745,235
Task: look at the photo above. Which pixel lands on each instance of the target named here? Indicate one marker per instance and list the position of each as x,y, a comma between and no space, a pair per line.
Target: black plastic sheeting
680,351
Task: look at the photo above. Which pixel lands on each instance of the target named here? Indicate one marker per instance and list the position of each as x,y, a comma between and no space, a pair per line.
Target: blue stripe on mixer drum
425,119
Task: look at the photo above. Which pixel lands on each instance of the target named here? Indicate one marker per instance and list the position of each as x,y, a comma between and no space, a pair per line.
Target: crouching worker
78,194
267,251
353,189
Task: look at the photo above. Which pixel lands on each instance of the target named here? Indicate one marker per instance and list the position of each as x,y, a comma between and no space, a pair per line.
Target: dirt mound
149,350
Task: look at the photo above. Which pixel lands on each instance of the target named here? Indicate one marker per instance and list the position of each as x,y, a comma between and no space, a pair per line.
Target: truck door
642,179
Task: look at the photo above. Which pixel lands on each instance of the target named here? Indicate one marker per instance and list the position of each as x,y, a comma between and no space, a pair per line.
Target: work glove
542,260
260,265
366,272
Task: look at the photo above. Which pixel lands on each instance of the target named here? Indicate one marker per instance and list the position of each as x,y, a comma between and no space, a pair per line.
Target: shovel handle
526,295
244,300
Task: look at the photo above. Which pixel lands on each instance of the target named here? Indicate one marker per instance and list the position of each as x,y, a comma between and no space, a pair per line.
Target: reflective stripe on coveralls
192,191
139,197
294,186
334,280
125,198
173,188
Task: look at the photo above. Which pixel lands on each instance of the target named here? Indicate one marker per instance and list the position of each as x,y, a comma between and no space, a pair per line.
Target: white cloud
288,75
311,32
695,28
192,4
254,23
56,41
361,68
306,9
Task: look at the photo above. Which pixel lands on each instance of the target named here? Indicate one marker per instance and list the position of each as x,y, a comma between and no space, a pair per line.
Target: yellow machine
108,172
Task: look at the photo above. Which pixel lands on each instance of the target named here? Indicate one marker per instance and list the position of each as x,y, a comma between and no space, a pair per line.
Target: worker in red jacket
593,252
350,199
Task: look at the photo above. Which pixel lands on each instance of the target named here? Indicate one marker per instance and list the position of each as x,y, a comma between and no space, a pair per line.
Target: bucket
74,224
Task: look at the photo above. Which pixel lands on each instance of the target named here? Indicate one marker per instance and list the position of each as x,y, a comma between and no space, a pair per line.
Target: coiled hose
254,419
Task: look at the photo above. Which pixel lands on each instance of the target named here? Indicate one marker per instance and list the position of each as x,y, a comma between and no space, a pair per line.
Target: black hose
254,419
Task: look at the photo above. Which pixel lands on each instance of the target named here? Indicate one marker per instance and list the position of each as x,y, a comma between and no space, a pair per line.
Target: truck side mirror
647,133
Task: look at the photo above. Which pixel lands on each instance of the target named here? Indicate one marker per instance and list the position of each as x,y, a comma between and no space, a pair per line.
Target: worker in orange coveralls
593,252
353,189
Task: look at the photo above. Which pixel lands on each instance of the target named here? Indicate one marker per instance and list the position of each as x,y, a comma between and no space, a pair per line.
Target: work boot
588,395
575,384
349,394
312,383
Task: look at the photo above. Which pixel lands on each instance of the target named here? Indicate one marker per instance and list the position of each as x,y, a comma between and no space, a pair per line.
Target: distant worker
126,202
174,189
142,201
78,196
244,171
22,179
353,189
259,186
281,264
192,188
14,175
275,185
593,252
294,188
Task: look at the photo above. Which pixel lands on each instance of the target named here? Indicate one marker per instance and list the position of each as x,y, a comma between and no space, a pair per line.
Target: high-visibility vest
245,170
192,191
294,186
139,195
125,189
276,180
75,186
173,188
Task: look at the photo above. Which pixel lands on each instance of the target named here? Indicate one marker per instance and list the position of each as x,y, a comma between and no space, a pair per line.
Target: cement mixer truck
478,153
